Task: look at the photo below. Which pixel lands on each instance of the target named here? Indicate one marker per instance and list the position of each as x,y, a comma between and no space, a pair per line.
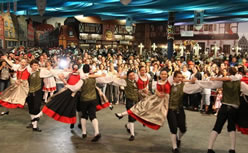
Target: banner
129,24
187,33
41,5
198,20
170,32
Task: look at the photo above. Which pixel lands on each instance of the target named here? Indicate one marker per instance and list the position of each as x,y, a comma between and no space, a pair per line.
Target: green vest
176,97
88,90
34,82
131,91
231,92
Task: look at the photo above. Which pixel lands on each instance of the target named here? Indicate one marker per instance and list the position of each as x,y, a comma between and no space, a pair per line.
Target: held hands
193,80
146,91
103,74
4,57
160,95
213,79
18,82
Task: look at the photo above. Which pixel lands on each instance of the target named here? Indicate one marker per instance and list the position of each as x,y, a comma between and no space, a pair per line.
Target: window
211,27
190,28
206,27
177,29
70,33
6,34
5,23
215,27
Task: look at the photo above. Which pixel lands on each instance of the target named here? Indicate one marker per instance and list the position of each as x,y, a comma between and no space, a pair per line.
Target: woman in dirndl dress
15,95
152,110
62,105
142,82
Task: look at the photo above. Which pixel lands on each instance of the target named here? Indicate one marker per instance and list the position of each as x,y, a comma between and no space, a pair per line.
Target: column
170,34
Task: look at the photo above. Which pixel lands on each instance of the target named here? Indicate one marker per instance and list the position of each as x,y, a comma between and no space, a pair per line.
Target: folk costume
34,99
15,95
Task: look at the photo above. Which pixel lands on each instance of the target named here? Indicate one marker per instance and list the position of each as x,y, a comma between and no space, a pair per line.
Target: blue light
111,14
150,11
20,12
157,19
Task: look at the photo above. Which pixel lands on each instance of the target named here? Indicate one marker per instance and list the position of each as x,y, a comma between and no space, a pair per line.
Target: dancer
15,95
152,111
62,105
142,80
88,103
34,98
242,121
228,112
49,82
176,115
131,93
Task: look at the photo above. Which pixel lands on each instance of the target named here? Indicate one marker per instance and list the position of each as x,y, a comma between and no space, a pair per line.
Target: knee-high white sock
174,141
131,127
128,125
95,125
212,139
39,115
233,139
35,124
180,135
32,117
51,94
124,113
83,123
45,96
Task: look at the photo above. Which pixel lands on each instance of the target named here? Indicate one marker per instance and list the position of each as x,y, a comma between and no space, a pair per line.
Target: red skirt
144,122
10,105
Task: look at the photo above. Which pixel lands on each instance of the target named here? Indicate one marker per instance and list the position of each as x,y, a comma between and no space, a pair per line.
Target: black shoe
79,126
29,126
131,138
175,150
178,143
231,151
72,126
37,129
84,136
211,151
111,107
96,138
119,117
4,113
128,130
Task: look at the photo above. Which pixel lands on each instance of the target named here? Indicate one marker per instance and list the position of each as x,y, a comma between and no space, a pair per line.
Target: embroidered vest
88,90
35,82
176,97
131,91
231,92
